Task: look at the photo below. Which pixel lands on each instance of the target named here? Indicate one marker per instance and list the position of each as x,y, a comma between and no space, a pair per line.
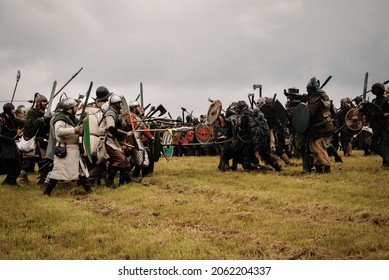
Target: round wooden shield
214,111
202,133
354,119
189,135
374,115
167,148
300,118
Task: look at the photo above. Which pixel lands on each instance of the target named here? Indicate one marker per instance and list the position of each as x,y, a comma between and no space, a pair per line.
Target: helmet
114,98
358,99
8,107
38,99
68,103
133,104
313,84
102,94
261,101
231,110
241,106
378,88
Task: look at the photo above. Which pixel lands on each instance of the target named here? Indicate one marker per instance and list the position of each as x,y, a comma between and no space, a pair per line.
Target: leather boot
110,182
319,169
86,184
285,159
307,162
124,177
136,172
327,169
49,186
42,178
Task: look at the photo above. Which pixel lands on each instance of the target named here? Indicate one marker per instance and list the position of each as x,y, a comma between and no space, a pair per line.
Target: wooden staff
17,81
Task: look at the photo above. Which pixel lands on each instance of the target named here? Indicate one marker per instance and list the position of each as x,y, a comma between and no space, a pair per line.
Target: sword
48,109
326,81
365,86
85,104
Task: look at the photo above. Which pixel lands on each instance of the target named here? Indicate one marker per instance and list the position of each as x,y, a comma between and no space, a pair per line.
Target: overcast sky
186,51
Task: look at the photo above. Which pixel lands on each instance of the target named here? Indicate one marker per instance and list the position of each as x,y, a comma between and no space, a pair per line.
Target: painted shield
202,133
214,111
166,142
374,115
354,119
300,118
176,138
189,135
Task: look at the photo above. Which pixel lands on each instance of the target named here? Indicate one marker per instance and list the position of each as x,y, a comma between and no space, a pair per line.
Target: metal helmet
313,84
38,99
358,99
114,98
261,101
8,107
241,106
102,94
231,110
68,103
378,88
133,104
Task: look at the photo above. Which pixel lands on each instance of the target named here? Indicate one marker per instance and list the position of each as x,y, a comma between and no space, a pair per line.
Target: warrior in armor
293,99
9,154
228,125
252,136
321,126
68,165
113,127
380,137
278,133
95,113
346,136
36,124
141,154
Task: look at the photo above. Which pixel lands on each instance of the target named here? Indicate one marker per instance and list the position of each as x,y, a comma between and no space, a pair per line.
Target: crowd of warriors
257,133
115,141
253,135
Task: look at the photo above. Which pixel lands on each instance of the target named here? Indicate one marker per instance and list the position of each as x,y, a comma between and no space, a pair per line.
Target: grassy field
189,210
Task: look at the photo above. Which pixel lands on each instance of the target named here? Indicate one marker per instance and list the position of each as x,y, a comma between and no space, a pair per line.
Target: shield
354,119
166,142
280,113
374,115
214,111
300,118
176,138
189,136
202,133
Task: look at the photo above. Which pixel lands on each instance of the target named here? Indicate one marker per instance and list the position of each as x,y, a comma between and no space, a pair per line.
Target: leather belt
68,143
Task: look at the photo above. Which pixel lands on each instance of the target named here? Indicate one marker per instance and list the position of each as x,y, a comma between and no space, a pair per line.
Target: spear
17,81
67,83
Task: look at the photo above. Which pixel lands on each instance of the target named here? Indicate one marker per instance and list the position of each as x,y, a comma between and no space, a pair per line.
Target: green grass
189,210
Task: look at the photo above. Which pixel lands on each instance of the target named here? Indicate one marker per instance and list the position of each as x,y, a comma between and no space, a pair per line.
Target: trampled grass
189,210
